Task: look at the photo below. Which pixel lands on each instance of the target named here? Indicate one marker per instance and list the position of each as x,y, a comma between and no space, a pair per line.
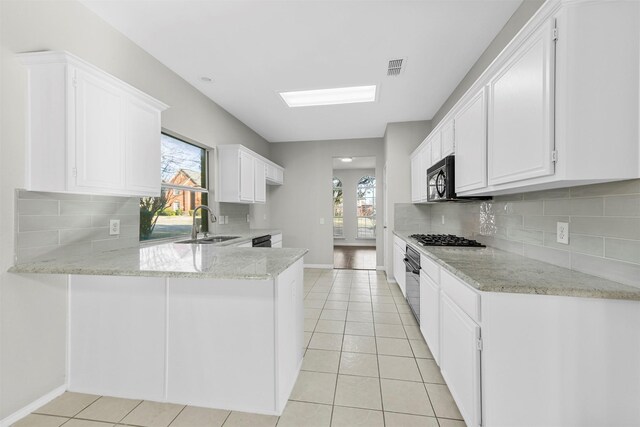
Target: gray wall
350,178
510,29
400,139
604,227
297,206
33,308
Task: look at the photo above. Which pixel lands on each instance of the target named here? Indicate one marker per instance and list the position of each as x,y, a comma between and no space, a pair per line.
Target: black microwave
441,186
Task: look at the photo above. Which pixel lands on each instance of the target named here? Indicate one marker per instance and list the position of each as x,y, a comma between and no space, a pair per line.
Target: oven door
412,272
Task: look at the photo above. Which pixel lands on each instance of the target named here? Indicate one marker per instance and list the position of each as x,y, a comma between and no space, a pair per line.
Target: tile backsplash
604,226
236,214
52,223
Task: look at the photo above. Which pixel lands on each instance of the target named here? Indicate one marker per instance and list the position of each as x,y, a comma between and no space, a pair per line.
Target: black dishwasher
262,242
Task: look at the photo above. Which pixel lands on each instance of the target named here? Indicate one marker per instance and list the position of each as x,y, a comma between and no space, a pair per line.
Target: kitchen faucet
194,228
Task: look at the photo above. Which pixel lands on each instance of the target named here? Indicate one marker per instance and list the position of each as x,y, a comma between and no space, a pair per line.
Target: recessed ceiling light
206,79
342,95
347,159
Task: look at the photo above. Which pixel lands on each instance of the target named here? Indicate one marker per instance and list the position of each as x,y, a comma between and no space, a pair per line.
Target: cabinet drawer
466,298
430,268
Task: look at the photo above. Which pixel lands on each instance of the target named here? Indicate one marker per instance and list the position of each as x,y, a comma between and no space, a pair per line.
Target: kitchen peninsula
203,325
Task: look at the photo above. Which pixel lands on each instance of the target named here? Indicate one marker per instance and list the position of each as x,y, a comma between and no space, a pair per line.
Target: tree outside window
183,170
366,207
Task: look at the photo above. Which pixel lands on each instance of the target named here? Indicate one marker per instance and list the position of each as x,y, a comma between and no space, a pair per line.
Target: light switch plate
562,233
114,227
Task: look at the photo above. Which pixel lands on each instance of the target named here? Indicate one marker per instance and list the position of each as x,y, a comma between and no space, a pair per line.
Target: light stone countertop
212,261
493,270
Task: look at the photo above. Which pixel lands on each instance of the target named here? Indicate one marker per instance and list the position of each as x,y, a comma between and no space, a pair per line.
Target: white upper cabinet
471,144
99,133
436,147
416,168
563,101
89,132
142,124
260,181
244,174
447,138
247,177
520,113
275,174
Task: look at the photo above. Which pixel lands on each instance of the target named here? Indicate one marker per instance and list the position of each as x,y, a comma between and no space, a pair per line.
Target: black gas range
445,240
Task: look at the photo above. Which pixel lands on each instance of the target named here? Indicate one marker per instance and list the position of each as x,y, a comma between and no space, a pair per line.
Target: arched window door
366,207
338,208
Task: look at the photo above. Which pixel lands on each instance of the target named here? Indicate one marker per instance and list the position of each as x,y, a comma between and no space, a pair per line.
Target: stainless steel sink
209,240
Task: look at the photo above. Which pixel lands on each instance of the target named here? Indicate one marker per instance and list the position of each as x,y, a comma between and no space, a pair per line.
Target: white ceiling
357,163
254,49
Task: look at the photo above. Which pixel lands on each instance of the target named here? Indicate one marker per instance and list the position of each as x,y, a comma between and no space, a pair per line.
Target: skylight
342,95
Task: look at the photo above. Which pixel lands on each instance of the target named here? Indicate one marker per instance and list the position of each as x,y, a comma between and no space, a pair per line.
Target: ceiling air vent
395,67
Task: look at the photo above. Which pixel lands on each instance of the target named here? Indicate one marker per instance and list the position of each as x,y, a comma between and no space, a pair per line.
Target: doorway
354,213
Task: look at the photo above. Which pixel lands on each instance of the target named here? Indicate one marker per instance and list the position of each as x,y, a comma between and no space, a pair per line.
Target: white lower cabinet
505,356
399,249
460,349
216,343
430,313
276,240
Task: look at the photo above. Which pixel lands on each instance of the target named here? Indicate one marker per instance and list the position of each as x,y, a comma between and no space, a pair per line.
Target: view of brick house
185,200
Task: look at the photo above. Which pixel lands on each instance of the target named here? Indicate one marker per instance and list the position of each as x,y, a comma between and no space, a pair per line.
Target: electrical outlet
562,233
321,221
442,219
114,227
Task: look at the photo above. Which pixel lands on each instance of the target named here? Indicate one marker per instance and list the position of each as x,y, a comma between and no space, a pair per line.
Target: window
366,207
183,172
338,203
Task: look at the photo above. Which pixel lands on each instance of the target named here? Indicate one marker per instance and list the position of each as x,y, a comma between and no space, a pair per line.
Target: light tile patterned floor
366,365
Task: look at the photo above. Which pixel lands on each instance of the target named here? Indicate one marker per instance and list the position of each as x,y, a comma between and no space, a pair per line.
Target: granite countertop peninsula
493,270
212,261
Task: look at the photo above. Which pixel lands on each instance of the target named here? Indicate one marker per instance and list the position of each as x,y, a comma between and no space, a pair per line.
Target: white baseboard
381,268
322,266
368,244
23,412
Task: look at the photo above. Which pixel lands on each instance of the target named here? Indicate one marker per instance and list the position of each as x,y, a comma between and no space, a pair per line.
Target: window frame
205,189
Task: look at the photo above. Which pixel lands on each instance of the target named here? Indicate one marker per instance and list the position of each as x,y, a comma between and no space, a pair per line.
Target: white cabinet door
142,148
430,314
247,173
460,359
436,147
416,167
447,139
471,144
399,270
99,131
260,181
521,96
426,164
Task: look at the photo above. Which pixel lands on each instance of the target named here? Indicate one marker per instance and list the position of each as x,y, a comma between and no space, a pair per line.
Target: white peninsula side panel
216,343
117,337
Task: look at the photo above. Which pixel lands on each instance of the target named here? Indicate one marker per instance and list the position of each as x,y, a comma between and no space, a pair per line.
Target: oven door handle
411,266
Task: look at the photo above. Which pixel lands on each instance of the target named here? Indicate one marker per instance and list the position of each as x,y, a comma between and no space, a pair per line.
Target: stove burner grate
445,240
